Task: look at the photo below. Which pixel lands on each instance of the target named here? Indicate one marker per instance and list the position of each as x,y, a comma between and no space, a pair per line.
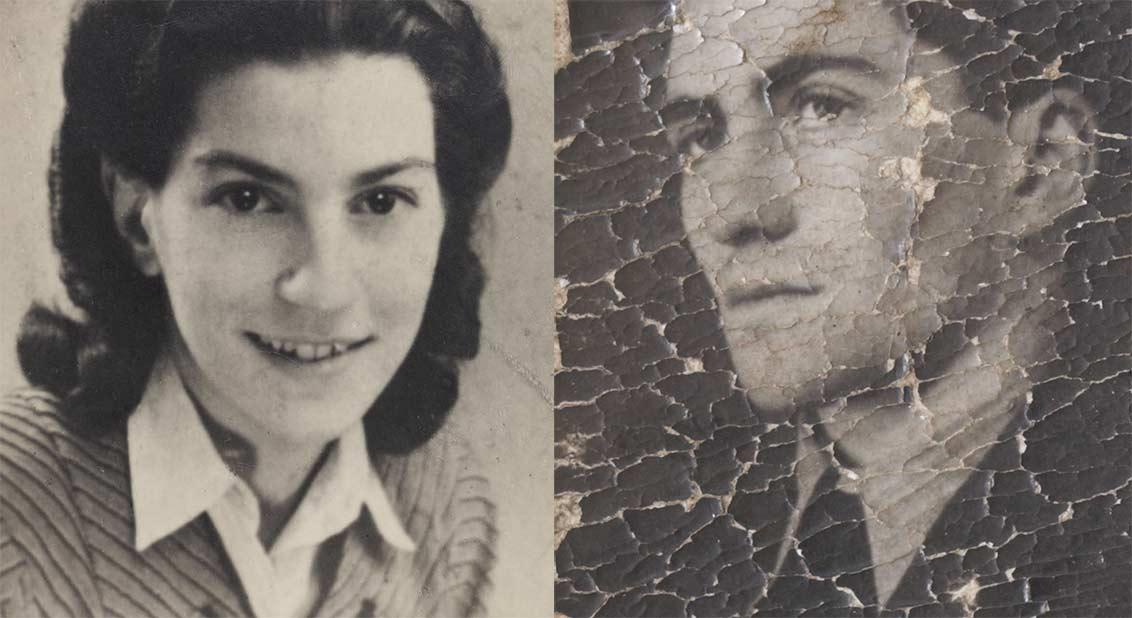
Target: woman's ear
1057,134
130,198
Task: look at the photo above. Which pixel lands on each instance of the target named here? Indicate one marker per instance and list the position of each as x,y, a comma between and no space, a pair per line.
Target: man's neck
911,458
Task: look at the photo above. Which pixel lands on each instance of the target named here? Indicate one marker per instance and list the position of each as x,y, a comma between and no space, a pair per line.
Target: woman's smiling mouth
306,351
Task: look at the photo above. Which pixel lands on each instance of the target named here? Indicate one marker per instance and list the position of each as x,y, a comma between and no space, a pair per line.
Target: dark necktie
835,555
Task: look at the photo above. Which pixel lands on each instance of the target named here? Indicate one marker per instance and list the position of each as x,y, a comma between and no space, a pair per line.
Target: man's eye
822,108
243,199
821,105
382,201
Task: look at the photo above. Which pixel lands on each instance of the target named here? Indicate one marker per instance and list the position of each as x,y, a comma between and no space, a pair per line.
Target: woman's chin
309,421
340,387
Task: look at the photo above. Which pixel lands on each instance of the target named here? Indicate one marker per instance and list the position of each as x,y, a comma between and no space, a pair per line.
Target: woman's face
297,235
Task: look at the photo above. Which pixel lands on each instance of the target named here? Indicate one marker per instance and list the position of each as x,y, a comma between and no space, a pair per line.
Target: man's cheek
890,202
831,166
739,175
828,216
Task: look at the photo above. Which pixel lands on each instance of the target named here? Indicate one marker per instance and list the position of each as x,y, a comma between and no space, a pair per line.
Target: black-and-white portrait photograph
277,308
843,308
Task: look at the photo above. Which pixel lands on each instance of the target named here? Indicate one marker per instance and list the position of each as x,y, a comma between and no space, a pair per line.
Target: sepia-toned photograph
843,308
566,308
277,309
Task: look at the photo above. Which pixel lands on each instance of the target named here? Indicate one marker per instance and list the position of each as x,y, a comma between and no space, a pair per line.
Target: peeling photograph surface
843,308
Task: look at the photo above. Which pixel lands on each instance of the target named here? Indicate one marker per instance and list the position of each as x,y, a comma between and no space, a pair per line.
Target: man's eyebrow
263,171
793,69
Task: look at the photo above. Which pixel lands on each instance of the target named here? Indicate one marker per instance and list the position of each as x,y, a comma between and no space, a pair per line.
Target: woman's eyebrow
227,159
381,172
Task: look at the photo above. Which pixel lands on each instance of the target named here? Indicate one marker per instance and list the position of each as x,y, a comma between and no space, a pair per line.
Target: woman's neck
277,473
276,470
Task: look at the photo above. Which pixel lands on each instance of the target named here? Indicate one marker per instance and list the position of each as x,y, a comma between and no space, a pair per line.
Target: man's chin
778,404
774,404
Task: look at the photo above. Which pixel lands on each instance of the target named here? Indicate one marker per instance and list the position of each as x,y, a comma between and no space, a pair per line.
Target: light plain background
505,401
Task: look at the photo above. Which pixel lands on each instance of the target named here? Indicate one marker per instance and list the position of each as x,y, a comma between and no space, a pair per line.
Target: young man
876,226
891,379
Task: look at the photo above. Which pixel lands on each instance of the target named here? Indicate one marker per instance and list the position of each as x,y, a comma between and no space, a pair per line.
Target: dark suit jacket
1019,538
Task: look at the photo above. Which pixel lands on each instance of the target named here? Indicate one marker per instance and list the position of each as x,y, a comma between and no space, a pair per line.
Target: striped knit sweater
66,534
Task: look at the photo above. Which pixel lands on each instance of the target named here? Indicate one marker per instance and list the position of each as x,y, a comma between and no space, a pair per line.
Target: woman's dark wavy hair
130,78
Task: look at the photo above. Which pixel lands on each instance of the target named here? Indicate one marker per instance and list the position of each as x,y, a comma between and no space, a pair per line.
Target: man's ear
1057,133
129,199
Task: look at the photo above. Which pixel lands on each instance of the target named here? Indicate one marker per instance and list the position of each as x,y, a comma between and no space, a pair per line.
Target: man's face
822,220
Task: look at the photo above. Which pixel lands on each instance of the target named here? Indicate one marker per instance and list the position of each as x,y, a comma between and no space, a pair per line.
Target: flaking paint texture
837,338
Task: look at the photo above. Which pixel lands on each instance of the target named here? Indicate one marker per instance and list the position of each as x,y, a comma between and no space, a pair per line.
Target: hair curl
131,74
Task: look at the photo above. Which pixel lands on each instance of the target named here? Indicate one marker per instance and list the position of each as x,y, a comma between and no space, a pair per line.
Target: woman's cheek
232,273
398,284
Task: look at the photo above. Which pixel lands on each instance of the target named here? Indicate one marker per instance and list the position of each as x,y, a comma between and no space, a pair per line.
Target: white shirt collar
176,474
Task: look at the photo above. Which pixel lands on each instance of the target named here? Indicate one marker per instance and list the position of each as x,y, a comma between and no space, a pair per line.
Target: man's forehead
715,35
839,27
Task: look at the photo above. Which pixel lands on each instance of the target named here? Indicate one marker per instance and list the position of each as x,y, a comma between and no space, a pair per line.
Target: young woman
263,213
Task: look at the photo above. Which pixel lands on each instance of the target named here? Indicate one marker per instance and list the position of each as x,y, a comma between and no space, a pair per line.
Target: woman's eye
381,201
244,199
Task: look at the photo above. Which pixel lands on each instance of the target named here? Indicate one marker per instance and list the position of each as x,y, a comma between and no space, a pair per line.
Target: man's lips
306,350
756,293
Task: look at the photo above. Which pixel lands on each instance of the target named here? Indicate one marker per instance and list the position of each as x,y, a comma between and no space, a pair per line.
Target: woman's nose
321,275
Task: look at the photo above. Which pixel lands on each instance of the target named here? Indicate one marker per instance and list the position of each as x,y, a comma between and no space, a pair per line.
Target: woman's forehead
319,114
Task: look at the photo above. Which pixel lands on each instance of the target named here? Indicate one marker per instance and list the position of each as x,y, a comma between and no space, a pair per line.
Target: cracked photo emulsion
842,303
276,322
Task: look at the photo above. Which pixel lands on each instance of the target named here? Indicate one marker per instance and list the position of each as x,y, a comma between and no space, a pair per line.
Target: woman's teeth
306,352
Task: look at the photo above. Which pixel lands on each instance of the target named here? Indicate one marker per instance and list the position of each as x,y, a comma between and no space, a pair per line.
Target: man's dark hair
131,74
1002,47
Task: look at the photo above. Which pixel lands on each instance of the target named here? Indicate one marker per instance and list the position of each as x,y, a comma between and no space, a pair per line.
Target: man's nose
769,222
777,219
322,274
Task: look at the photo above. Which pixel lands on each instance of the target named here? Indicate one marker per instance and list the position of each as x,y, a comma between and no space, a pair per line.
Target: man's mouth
306,351
756,293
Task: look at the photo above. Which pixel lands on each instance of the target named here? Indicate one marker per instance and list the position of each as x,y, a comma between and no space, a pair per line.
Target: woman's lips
306,350
756,293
